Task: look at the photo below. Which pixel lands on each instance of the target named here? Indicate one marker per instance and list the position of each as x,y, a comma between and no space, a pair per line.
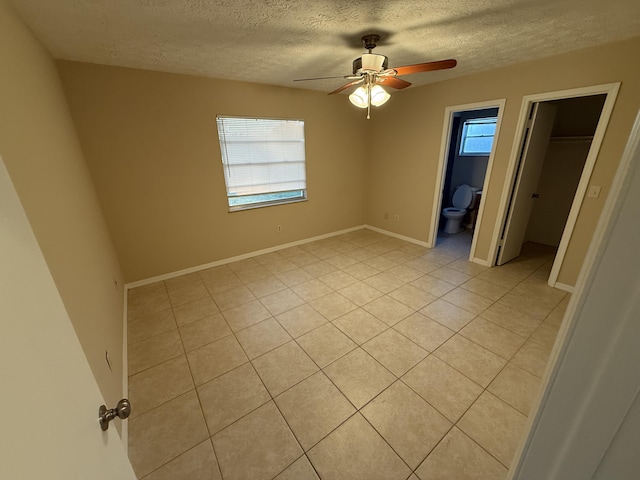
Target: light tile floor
356,357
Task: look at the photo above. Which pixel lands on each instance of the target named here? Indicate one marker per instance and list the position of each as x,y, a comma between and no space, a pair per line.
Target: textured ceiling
276,41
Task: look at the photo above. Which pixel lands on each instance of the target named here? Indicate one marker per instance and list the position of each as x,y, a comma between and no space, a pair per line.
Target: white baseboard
562,286
396,235
217,263
480,261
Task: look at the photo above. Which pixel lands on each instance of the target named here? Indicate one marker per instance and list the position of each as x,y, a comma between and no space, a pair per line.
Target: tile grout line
195,387
383,294
357,410
485,389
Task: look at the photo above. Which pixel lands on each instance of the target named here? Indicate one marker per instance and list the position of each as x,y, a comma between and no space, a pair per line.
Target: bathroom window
263,161
477,136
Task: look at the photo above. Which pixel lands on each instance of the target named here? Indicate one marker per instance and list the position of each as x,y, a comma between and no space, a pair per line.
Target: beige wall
39,146
406,139
151,144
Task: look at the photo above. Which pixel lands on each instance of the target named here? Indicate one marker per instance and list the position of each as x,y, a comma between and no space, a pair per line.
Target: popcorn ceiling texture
275,41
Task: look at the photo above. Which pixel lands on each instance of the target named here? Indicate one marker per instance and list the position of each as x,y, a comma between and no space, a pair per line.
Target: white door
529,169
49,398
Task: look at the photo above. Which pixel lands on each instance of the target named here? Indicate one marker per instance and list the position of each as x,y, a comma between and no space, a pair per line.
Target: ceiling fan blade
425,67
344,87
393,82
323,78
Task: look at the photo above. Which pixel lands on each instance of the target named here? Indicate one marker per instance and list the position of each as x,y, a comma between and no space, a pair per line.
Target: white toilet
462,198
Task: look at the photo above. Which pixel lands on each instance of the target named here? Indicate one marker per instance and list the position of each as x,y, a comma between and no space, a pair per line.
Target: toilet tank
475,199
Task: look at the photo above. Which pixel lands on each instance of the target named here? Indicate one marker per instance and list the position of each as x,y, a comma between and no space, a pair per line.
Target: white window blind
477,136
263,160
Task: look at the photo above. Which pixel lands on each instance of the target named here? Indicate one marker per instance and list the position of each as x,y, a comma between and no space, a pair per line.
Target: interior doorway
466,158
559,142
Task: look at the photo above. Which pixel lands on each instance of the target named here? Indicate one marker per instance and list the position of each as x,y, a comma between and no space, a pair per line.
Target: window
263,161
477,136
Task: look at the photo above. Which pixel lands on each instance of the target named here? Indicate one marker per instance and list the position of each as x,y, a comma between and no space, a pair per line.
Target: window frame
464,136
274,200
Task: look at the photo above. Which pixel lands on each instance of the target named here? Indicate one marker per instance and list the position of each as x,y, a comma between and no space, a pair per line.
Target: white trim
440,177
442,161
124,431
611,90
217,263
594,386
397,235
485,186
508,180
583,185
480,261
562,286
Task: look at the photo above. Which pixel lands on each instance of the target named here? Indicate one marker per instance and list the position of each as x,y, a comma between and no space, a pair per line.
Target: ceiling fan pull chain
368,100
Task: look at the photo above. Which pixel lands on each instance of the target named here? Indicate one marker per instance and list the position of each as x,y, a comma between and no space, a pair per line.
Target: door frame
442,165
611,91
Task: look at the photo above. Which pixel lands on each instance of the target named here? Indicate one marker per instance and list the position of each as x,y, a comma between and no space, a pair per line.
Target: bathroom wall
447,190
464,169
470,170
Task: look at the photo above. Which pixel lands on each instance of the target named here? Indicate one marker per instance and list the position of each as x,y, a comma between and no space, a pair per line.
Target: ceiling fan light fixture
379,96
370,62
371,69
359,98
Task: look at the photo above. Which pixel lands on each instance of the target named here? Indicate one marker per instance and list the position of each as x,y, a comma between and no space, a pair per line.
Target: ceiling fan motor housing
370,62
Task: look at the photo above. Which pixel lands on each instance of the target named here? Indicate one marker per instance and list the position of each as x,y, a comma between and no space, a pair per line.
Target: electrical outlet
594,191
397,218
278,228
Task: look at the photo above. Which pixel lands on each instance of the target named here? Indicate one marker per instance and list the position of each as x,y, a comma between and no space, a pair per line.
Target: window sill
252,206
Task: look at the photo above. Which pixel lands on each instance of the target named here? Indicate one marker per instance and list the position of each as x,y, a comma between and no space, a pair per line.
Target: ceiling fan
371,72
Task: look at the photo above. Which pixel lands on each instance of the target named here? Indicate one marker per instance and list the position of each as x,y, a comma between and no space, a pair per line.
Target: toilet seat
462,197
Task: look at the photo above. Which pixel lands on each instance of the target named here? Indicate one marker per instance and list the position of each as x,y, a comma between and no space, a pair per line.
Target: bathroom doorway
466,157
